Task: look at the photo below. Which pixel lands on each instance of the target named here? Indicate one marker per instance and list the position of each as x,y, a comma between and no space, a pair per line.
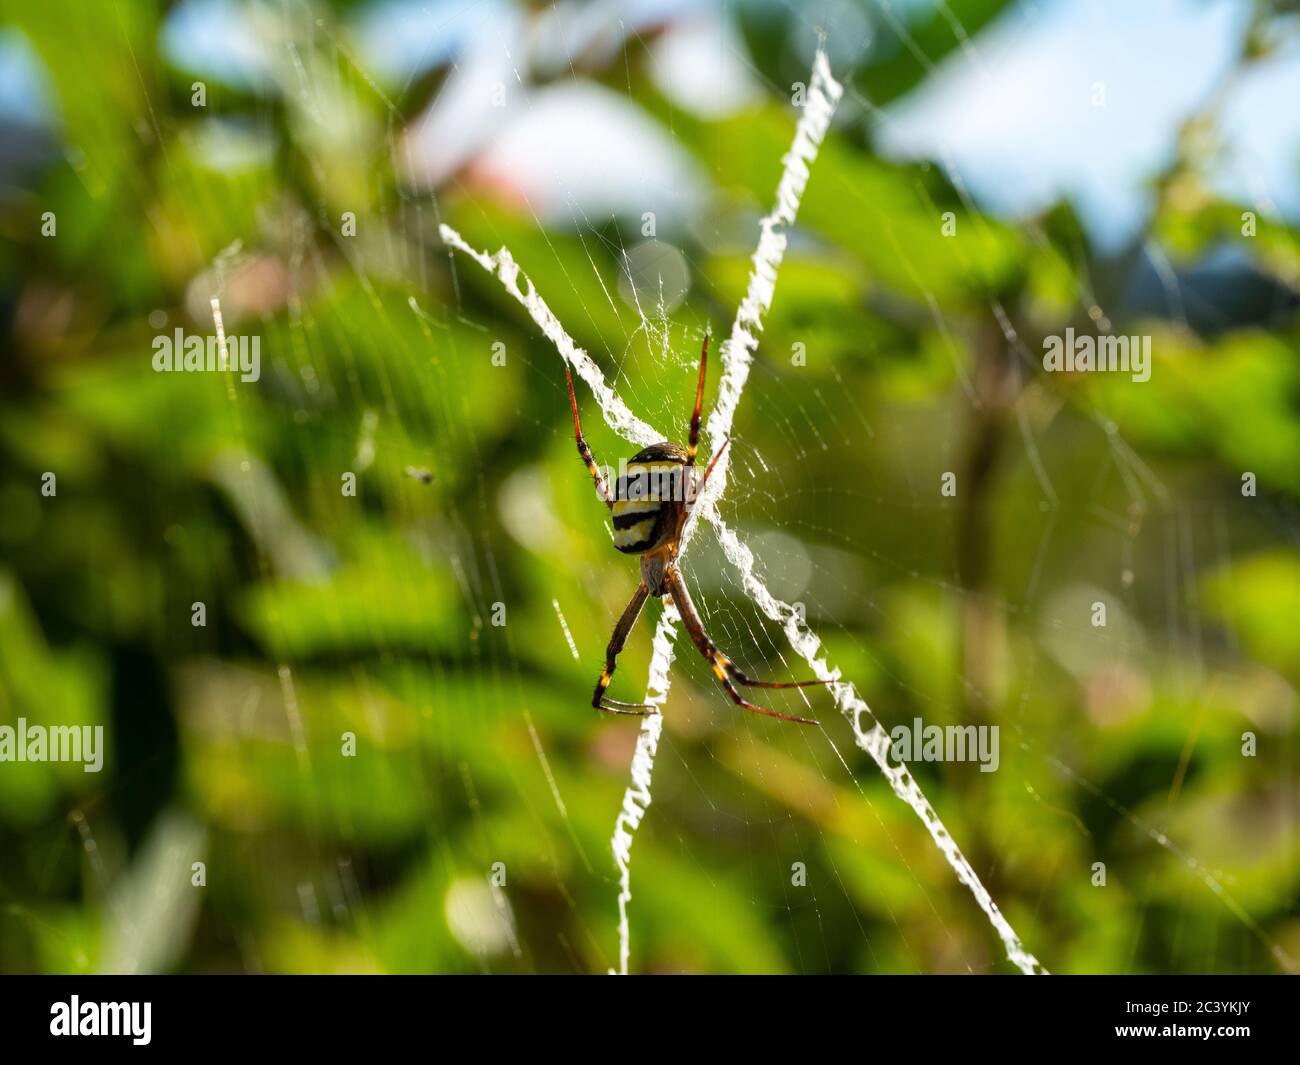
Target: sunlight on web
737,355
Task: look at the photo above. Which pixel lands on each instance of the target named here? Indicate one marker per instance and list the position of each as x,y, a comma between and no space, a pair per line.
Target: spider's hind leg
750,682
599,700
613,706
721,664
723,670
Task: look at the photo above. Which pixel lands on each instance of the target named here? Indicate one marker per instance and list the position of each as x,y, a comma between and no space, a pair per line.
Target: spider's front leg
584,452
693,431
599,700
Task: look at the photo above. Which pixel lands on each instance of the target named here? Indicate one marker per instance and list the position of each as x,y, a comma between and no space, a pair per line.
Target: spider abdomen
649,499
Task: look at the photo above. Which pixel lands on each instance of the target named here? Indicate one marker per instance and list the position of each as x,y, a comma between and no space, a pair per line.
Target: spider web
737,354
1142,484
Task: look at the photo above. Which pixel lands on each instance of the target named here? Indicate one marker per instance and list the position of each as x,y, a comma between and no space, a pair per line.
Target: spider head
664,451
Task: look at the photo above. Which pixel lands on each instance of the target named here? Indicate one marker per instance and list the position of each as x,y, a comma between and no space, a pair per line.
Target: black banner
989,1016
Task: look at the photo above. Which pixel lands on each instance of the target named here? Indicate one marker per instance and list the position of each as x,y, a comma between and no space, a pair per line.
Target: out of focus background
372,749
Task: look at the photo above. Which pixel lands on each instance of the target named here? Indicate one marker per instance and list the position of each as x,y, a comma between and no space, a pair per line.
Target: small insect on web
649,508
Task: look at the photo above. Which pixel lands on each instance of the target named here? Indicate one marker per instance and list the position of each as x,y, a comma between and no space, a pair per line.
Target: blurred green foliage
329,614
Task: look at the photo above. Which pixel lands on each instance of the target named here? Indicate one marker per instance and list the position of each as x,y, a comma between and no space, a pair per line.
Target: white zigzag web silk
737,355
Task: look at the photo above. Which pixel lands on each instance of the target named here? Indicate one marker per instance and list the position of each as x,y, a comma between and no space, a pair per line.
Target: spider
648,509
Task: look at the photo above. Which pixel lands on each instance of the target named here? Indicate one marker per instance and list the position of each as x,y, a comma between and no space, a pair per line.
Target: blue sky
1022,121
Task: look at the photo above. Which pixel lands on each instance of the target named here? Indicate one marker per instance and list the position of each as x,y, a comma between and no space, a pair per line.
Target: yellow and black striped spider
649,508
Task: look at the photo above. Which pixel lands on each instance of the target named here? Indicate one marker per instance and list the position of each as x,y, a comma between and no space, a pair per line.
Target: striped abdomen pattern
649,498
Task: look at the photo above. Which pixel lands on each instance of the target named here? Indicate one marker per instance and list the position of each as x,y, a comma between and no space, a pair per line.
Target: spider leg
602,489
693,441
599,700
611,706
750,682
705,479
722,667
